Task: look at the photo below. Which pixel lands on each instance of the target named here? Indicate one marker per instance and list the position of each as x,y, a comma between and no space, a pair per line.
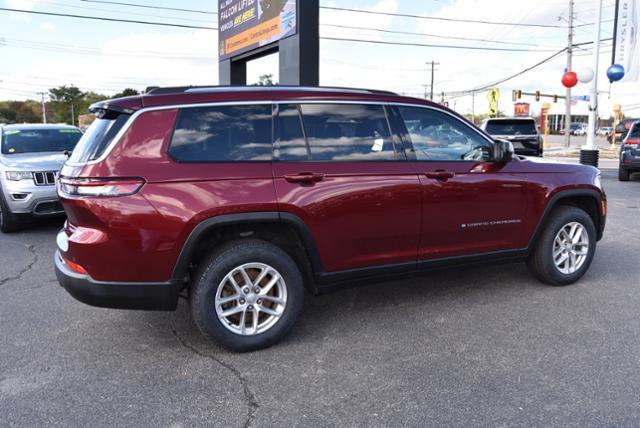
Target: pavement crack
29,266
249,396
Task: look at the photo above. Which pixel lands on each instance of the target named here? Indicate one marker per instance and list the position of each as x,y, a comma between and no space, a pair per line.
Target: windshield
16,141
97,138
511,127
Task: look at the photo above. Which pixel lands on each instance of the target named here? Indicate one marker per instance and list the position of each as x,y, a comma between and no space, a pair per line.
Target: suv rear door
470,205
339,168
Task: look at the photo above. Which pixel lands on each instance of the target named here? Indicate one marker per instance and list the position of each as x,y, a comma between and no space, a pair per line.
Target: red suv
245,197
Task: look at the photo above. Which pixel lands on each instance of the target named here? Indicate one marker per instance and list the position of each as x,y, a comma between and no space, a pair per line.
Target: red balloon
570,79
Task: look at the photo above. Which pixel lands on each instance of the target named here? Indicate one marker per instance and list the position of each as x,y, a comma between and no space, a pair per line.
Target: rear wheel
247,295
8,223
565,248
623,174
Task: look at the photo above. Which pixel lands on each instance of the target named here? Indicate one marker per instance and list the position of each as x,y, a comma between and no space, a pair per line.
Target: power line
175,9
324,38
411,33
457,94
438,18
481,48
101,18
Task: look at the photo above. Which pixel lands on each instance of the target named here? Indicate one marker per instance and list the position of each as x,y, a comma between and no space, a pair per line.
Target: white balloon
585,75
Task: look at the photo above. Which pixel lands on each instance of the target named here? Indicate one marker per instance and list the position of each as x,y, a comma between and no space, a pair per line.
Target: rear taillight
98,187
632,142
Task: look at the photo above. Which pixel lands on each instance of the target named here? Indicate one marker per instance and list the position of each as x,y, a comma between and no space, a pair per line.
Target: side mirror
503,151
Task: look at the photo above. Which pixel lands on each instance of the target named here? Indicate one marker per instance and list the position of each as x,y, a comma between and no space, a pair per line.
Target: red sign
521,109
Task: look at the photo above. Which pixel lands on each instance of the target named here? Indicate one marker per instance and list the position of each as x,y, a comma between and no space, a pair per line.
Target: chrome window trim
144,110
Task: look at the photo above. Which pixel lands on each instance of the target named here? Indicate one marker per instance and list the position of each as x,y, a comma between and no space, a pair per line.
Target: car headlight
19,175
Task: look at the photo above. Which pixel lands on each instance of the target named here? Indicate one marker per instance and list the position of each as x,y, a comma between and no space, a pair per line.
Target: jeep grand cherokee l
244,197
30,158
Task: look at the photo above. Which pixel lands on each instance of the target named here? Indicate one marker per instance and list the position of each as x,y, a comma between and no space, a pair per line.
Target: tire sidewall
566,216
213,271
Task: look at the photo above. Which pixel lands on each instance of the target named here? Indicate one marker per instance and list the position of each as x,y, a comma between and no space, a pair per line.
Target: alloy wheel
251,299
570,248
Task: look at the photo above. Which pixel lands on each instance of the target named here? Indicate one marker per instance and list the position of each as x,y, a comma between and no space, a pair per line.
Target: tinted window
292,145
438,136
97,138
635,131
224,134
511,127
347,132
16,141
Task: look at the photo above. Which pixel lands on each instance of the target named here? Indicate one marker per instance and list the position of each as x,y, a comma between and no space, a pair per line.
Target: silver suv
30,158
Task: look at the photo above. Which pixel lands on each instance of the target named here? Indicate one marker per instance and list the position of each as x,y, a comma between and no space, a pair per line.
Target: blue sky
42,51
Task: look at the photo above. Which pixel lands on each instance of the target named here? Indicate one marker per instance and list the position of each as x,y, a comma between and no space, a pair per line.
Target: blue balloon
615,73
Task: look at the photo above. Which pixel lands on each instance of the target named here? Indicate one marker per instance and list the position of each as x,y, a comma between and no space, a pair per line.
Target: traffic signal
519,94
514,95
555,98
537,95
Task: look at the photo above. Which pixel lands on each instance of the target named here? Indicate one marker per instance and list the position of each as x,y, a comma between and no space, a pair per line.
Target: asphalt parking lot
487,346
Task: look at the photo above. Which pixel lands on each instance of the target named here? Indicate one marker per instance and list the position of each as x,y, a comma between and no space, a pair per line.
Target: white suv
30,158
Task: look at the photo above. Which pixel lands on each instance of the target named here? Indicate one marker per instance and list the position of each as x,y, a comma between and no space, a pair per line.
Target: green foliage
59,106
128,92
265,80
20,112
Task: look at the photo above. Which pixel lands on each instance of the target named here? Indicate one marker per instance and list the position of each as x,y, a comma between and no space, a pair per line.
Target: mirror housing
503,151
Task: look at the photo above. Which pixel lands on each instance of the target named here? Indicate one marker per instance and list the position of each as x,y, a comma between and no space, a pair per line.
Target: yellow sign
617,108
493,96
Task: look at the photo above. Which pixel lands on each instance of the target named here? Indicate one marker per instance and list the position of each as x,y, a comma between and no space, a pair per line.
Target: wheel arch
589,200
284,229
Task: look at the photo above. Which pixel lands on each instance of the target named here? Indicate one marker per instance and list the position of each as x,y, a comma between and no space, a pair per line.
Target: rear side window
635,131
95,141
511,127
223,134
335,132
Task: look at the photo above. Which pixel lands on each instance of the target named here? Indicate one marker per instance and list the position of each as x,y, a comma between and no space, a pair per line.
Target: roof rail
215,88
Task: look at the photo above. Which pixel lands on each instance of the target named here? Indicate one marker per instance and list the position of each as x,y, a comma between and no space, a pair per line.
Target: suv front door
339,168
470,204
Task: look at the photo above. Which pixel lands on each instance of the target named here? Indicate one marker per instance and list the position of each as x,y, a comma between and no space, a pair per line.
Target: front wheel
8,223
247,295
565,248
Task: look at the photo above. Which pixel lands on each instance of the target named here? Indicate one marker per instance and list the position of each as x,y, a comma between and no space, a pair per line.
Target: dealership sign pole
589,154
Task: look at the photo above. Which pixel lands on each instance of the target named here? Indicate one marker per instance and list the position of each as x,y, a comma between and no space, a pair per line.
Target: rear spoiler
104,110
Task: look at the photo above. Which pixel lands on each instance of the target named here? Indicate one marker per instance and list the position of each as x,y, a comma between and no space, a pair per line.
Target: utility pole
44,107
589,153
473,107
433,74
73,116
567,101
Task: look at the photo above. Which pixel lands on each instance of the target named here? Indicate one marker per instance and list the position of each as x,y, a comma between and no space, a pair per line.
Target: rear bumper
117,295
629,162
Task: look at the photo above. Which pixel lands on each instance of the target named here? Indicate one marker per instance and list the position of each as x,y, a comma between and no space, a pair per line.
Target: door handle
304,177
440,175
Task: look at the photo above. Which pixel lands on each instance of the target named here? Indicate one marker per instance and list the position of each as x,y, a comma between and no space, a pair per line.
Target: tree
265,80
64,99
128,92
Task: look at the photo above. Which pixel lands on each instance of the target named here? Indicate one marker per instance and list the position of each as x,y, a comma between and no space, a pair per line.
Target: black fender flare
555,200
188,249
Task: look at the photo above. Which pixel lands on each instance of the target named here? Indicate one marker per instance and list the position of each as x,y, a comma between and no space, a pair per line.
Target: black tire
623,174
213,270
8,223
541,263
